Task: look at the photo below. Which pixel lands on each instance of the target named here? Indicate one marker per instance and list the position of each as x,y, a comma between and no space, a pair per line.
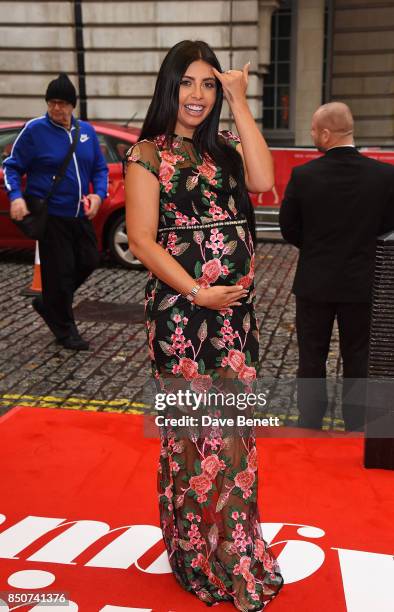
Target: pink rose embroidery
207,169
269,562
211,465
243,566
247,374
201,484
211,270
166,172
244,480
169,157
245,281
236,360
259,549
188,368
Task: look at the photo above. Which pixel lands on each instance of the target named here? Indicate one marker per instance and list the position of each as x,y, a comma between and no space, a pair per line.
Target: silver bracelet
192,293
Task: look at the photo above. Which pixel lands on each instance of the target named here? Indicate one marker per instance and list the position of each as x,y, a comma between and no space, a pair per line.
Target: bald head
332,125
336,117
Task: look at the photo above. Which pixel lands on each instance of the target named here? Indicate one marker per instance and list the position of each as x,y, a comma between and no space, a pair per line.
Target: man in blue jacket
68,250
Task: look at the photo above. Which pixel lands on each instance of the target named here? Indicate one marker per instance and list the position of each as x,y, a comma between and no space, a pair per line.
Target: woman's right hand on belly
220,296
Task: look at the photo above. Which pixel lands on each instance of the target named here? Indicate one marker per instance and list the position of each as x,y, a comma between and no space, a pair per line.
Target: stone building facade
336,49
363,66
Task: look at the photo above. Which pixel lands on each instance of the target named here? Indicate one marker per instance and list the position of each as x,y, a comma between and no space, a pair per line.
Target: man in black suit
333,210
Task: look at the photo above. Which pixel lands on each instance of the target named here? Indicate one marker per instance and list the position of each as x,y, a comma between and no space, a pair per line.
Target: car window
120,147
106,148
7,139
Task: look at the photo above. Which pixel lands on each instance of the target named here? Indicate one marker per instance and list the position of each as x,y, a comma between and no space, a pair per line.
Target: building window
276,93
277,83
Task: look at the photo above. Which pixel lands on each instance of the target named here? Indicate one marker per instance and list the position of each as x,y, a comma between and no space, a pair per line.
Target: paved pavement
35,371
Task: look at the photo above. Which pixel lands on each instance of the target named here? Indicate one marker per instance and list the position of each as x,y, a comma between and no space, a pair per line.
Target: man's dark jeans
68,255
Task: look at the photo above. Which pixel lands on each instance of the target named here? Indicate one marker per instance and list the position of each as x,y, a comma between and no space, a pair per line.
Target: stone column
266,8
309,66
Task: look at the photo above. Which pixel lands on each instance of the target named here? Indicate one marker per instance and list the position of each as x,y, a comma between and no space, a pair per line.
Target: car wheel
119,247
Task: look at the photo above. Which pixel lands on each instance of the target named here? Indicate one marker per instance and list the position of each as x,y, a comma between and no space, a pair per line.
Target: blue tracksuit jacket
39,152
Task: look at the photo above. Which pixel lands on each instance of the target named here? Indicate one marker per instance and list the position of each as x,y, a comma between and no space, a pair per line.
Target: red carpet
330,520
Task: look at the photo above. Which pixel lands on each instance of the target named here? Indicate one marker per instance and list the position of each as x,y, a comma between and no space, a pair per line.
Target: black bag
33,225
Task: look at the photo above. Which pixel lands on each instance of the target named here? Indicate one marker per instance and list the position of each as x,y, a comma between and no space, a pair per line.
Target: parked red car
109,223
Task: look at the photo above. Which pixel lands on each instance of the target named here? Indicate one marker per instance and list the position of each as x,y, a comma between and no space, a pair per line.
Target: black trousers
68,255
314,321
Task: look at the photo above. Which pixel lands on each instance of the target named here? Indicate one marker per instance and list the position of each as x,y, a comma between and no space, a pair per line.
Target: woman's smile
194,109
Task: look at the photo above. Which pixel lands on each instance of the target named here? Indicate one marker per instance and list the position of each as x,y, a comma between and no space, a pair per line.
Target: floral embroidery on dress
207,484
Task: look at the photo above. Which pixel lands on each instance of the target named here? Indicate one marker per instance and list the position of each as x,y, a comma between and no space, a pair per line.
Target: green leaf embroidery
197,269
197,466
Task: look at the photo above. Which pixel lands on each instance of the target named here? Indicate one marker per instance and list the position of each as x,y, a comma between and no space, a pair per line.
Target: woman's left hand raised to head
234,83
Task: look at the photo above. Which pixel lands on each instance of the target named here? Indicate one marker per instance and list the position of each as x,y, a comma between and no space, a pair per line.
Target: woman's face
197,95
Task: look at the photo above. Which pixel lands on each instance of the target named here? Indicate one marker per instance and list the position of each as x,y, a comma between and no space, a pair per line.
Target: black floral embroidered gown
207,486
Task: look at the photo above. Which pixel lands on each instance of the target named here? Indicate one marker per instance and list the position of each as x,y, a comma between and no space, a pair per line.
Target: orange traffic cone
35,287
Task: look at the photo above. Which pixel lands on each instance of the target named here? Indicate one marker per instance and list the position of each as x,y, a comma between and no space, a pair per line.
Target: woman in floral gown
190,221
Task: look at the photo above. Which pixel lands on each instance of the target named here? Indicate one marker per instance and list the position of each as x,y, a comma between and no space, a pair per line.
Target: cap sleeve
230,138
145,154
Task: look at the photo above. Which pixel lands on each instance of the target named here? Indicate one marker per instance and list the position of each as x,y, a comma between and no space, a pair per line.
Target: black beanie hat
61,89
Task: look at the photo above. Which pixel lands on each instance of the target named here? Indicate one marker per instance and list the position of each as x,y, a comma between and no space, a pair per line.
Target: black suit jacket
333,210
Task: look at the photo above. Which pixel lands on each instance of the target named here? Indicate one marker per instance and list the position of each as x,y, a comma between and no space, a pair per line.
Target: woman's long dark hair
162,116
